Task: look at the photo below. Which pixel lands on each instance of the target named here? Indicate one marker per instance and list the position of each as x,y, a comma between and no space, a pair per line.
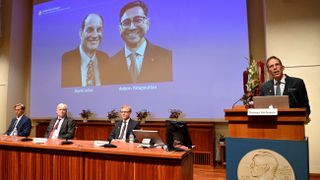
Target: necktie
123,129
54,128
14,125
91,80
278,90
133,67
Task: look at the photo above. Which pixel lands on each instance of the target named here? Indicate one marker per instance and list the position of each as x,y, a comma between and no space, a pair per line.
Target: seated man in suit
123,128
140,61
282,84
21,122
62,126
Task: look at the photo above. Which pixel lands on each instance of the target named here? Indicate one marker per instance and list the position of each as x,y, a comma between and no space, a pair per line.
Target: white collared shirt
282,84
56,132
139,54
15,126
85,59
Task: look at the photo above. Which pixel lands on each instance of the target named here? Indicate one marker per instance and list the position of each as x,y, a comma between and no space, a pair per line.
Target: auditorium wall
292,34
14,57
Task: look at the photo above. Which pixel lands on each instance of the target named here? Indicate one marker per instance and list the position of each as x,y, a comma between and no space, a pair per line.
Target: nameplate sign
40,140
100,143
263,112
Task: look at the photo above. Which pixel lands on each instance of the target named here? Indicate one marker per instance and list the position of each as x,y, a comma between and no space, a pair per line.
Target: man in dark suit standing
21,122
123,128
62,126
85,65
139,61
282,84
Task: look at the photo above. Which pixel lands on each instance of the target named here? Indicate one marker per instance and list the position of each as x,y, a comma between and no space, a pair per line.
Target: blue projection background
208,39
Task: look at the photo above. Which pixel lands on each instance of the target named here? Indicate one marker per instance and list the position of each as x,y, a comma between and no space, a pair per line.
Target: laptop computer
267,101
154,135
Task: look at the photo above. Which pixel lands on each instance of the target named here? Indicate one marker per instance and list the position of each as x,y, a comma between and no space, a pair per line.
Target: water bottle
15,134
131,138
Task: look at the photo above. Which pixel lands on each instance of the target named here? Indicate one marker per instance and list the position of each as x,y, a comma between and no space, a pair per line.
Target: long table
202,135
83,161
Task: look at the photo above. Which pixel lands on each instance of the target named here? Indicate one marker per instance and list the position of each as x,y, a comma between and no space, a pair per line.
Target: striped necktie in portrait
133,67
91,80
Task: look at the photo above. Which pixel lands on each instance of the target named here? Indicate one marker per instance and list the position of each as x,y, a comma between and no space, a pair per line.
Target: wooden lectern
272,133
288,125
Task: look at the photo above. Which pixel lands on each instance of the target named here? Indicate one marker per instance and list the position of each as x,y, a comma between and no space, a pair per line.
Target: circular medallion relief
264,164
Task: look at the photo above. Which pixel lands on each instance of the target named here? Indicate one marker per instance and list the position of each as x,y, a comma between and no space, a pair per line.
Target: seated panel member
21,122
123,128
62,126
291,86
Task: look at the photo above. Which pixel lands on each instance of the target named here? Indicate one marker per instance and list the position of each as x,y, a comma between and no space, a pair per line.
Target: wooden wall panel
82,160
30,164
102,167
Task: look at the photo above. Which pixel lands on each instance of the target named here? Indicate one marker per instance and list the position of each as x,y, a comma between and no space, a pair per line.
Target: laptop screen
267,101
154,135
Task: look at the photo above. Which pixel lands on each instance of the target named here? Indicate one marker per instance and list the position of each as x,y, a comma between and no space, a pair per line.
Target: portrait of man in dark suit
85,65
21,122
282,84
62,126
140,61
123,128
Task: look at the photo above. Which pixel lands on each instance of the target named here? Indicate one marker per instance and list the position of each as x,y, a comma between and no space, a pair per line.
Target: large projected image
154,55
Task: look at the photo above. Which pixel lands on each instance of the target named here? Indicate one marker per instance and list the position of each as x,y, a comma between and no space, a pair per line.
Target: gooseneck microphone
236,102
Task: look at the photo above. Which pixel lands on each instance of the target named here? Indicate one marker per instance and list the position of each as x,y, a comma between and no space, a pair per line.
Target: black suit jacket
156,66
117,128
23,127
294,88
66,131
71,68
